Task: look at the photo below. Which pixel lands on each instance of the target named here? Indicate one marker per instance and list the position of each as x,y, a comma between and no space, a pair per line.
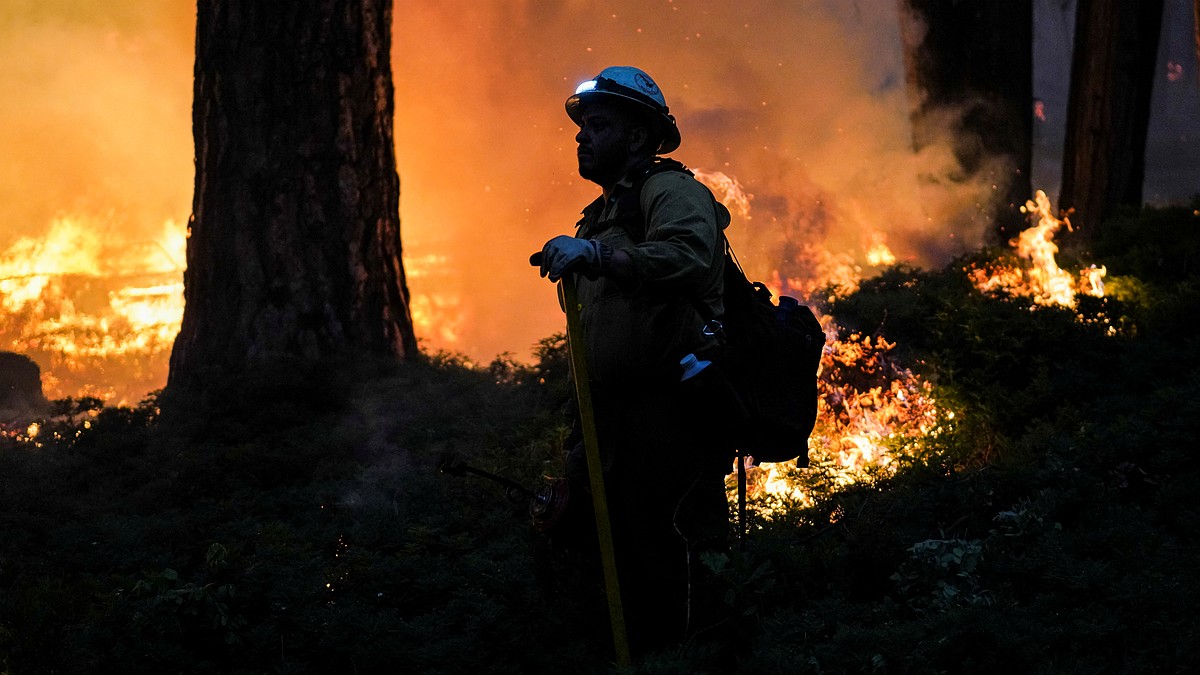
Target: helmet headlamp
631,84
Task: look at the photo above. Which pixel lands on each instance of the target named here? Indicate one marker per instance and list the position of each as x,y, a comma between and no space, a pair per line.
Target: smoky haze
95,115
802,103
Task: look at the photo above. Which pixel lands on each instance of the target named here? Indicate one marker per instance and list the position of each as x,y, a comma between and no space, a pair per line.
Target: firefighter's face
608,140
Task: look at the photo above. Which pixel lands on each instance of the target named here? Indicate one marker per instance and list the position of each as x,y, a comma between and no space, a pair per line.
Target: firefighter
648,253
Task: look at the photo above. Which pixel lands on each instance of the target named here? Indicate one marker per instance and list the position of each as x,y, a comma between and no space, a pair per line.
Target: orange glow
872,412
802,102
728,191
1043,281
1050,283
437,316
100,317
96,120
879,254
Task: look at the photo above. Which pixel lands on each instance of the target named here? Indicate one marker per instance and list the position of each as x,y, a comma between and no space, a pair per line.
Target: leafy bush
302,525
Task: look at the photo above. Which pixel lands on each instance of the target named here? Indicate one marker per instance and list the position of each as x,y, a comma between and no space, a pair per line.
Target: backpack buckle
714,329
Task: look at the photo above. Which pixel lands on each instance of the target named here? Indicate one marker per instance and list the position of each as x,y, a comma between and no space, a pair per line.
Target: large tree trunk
1196,34
294,247
972,61
1108,112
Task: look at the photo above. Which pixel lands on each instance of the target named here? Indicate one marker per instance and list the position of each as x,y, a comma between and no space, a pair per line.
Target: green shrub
302,525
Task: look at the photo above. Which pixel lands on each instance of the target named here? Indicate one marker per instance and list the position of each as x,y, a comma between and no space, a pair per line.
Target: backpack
766,360
770,355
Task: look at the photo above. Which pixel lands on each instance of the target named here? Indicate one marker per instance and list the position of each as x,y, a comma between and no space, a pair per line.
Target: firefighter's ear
639,135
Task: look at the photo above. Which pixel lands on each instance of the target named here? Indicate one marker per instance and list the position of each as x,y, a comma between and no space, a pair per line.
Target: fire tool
591,445
546,505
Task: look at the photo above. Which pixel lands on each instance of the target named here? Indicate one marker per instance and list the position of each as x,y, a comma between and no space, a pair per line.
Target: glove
563,252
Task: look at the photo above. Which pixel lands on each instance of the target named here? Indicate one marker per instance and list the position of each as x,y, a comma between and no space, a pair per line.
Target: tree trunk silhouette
1196,35
294,240
972,61
1108,112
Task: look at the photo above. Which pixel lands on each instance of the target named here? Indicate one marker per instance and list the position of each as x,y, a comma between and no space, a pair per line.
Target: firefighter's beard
604,170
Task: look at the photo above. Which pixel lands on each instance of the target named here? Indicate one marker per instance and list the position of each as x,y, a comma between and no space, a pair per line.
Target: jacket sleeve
683,233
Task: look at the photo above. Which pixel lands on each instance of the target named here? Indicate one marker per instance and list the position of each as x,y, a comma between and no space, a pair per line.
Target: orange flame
727,190
1044,282
1051,284
98,318
437,313
879,254
872,412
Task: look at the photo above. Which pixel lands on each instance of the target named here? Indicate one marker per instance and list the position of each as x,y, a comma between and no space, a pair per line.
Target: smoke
803,103
95,102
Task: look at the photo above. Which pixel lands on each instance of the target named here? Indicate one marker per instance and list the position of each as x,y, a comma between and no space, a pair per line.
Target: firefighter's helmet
632,84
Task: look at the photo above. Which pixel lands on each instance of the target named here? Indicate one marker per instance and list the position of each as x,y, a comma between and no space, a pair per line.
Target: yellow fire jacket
638,331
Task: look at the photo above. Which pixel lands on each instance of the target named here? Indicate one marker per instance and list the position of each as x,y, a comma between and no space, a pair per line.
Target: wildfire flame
871,410
727,190
76,303
1051,283
879,254
438,313
98,317
1044,282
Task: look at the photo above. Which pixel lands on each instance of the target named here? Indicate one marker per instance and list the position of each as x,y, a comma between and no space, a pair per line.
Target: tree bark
1196,35
972,61
294,240
1108,112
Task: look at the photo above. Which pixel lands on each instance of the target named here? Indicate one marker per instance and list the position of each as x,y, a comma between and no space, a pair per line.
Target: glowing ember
1174,71
98,316
1092,280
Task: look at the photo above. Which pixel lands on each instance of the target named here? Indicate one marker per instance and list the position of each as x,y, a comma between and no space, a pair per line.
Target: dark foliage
296,521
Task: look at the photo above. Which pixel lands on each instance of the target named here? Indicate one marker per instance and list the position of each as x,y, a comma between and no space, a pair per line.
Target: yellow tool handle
591,445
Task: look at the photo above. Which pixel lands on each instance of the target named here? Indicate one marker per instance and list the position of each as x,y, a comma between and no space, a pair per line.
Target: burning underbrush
1040,279
100,319
875,413
984,465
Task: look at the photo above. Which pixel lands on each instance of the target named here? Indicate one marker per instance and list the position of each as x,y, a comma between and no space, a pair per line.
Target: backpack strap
631,206
641,173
